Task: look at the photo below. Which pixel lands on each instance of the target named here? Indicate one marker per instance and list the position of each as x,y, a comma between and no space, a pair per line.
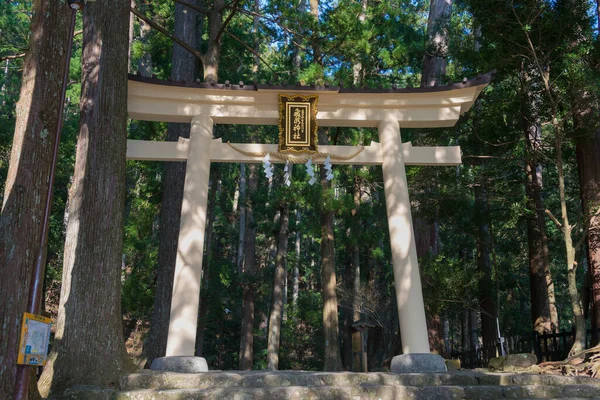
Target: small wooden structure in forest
360,336
204,104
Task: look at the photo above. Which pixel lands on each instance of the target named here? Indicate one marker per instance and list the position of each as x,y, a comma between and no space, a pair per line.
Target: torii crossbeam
204,105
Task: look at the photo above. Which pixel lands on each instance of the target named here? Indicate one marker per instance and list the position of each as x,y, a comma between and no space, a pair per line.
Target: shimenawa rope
295,159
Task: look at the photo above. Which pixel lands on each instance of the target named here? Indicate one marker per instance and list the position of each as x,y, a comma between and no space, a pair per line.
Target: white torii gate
204,105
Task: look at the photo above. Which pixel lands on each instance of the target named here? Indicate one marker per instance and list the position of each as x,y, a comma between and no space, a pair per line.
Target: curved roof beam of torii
169,101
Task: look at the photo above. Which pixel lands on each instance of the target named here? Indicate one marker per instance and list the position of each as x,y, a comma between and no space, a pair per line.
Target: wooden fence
549,347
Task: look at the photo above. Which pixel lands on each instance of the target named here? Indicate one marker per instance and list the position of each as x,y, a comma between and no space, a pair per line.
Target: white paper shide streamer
287,173
327,166
310,172
268,167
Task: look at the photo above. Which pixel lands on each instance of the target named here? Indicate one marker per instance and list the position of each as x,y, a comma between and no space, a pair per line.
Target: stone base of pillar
187,364
417,363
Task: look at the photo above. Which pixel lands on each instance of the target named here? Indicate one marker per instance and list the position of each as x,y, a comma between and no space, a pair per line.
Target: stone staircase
301,385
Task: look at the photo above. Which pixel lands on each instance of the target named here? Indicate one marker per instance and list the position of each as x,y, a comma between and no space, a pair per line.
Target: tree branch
159,28
252,51
553,218
290,32
12,56
226,22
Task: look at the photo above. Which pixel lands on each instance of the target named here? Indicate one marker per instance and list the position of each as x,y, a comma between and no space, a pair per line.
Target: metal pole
37,276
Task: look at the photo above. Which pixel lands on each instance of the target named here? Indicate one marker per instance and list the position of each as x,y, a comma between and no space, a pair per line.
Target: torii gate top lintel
428,107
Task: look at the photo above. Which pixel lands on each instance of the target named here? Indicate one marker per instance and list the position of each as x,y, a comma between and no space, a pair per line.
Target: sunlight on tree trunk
90,301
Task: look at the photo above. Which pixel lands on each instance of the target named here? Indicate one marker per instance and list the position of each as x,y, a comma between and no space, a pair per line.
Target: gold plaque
297,124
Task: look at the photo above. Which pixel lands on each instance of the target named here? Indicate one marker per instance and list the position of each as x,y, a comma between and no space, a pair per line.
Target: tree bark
347,311
145,62
210,59
89,327
183,68
484,266
542,289
242,218
214,188
278,283
356,228
588,161
473,328
587,147
249,271
27,179
434,67
333,359
436,46
580,329
464,330
296,273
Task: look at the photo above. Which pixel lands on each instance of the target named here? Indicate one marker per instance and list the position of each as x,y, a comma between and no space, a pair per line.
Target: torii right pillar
416,356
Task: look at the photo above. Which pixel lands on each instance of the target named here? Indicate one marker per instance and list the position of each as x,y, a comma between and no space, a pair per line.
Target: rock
513,362
524,360
417,362
496,363
452,365
187,364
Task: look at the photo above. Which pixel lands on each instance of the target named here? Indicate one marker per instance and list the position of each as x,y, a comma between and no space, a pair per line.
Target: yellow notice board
35,336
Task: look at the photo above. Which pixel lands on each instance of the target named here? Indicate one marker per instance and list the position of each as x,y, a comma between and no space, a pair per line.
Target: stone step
259,379
366,392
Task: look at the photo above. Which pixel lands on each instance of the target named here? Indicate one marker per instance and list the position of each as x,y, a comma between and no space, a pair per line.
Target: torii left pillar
181,341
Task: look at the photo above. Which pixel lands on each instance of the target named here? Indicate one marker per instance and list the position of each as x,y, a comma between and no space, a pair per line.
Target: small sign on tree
297,124
35,337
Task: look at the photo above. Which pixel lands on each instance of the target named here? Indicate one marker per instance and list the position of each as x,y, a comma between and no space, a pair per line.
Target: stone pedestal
417,363
188,364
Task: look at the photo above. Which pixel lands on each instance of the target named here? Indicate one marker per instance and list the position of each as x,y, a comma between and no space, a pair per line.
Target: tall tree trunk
347,310
242,218
215,187
579,340
352,278
89,327
356,229
464,330
278,283
333,359
473,331
145,62
484,265
131,36
588,160
272,252
249,288
296,273
436,47
285,295
542,289
183,68
27,179
210,59
587,146
434,68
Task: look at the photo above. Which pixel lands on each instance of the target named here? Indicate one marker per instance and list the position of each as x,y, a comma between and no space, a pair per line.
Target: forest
508,242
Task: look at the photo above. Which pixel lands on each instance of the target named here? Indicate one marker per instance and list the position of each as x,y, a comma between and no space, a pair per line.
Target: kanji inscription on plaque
298,124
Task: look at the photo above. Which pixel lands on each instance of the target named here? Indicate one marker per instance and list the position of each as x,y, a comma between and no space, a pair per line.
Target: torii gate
204,104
